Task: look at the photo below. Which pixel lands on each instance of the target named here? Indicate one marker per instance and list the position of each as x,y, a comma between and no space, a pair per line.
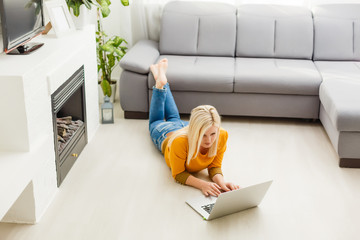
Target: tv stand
26,48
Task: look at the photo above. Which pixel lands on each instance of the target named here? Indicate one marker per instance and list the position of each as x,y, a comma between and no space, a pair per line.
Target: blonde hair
201,119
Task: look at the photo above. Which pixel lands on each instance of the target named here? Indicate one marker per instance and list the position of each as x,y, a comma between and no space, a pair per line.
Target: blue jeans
164,115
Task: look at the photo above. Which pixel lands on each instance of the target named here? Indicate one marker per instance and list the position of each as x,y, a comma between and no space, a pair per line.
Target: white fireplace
28,179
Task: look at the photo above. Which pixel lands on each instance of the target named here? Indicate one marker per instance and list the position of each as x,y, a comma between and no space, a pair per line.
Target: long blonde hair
201,119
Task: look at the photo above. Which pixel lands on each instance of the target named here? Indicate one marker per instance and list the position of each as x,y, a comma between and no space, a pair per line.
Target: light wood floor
121,188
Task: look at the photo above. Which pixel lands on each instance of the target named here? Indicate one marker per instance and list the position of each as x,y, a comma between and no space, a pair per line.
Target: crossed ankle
159,86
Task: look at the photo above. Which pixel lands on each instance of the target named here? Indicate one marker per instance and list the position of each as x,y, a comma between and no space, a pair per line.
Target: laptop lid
239,200
231,202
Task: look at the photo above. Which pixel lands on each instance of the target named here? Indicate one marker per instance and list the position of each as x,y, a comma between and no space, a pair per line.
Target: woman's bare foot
162,80
164,63
154,68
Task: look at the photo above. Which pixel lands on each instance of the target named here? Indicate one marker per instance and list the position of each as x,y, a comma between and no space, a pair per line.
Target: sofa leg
350,162
136,115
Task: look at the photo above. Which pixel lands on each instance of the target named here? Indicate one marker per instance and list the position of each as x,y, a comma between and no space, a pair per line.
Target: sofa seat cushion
199,74
340,93
276,76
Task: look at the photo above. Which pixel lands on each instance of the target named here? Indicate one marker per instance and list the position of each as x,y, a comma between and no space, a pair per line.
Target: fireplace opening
69,121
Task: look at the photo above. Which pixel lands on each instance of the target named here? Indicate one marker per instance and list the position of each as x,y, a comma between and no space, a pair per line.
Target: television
21,21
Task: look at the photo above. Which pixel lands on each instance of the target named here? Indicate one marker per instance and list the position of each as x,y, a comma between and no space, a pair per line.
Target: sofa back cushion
337,32
198,28
274,31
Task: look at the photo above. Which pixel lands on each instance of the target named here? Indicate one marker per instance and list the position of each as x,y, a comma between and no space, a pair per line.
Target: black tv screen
21,20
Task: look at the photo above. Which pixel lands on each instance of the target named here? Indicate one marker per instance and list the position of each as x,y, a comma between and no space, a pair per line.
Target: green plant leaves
125,2
118,40
112,46
111,61
75,5
104,6
109,54
87,4
105,85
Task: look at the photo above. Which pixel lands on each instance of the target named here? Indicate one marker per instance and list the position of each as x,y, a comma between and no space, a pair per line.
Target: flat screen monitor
21,20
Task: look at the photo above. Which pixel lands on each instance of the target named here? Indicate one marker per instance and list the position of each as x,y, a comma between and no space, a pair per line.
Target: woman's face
209,137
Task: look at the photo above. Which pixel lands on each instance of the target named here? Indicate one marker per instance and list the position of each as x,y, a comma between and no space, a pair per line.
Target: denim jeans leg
157,105
163,107
171,110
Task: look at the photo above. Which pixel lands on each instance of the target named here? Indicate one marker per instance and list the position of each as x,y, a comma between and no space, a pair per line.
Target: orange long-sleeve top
176,155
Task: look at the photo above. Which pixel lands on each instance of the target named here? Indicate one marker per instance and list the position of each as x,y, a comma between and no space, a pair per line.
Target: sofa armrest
139,58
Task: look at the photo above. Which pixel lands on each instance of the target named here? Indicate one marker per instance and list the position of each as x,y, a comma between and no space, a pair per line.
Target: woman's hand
210,188
225,186
207,188
228,186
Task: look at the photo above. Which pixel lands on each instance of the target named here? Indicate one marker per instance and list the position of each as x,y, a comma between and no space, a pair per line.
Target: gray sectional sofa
257,60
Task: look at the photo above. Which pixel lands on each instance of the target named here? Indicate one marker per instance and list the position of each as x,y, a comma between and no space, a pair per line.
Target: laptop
229,202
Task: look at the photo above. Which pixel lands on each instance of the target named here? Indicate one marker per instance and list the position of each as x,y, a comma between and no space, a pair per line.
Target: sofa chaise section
337,56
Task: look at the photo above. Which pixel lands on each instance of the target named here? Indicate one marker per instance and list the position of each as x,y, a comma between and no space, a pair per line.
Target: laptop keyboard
208,207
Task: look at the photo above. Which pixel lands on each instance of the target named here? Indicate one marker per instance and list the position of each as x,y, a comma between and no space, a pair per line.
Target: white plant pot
85,17
113,93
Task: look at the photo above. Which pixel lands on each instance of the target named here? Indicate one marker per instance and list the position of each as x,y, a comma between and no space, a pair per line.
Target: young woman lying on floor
187,146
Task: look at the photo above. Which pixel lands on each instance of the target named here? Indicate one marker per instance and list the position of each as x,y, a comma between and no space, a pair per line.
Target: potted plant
109,52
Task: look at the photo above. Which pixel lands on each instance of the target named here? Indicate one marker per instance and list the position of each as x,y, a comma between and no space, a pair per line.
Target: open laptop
229,202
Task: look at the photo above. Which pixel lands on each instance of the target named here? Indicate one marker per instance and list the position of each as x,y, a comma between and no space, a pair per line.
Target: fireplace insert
69,121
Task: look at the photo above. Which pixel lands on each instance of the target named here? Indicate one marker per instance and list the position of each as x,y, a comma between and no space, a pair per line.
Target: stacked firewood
66,128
